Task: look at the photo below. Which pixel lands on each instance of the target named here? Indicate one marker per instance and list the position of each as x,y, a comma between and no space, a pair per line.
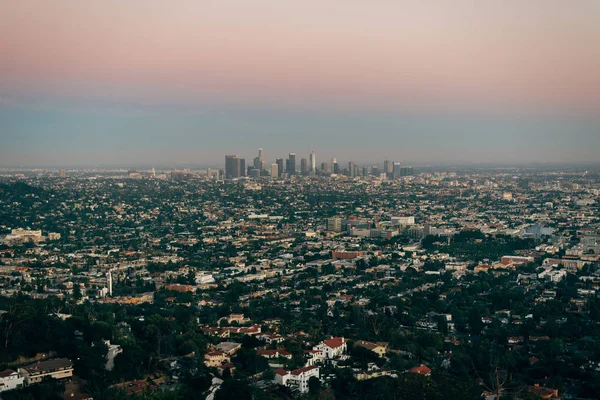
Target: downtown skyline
129,83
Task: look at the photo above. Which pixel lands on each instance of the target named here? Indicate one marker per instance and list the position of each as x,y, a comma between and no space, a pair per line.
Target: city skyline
114,83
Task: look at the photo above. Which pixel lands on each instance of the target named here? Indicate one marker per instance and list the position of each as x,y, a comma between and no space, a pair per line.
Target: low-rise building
297,378
59,368
10,380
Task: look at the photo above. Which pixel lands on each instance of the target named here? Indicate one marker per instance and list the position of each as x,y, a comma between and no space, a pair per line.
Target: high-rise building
280,169
109,282
275,170
334,224
258,161
335,168
291,167
324,168
303,167
396,170
62,173
351,171
406,171
375,170
235,167
388,167
313,163
230,166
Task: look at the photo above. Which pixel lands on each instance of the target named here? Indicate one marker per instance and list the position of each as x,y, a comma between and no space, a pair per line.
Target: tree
314,386
234,389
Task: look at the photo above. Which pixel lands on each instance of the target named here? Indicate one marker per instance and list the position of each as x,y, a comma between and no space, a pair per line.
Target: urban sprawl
317,281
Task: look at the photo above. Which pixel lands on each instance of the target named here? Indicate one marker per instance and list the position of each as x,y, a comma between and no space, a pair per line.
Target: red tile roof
421,370
334,342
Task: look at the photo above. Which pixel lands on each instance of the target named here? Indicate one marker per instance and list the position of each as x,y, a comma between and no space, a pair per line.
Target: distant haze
155,82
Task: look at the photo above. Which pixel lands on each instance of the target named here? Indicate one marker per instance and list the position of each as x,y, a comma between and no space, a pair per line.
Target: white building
59,368
113,351
10,380
403,221
331,348
297,378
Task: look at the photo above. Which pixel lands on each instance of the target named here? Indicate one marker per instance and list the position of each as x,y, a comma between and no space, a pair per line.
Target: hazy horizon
149,83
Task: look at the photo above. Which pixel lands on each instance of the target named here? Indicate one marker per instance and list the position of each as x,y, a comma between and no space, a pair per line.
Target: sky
108,82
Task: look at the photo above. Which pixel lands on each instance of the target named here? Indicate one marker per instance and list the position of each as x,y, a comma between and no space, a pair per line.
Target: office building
291,167
280,169
303,167
235,167
388,168
334,224
230,166
313,163
396,168
62,173
258,161
275,170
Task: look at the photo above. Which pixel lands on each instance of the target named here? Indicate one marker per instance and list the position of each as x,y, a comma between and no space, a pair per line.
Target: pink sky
539,53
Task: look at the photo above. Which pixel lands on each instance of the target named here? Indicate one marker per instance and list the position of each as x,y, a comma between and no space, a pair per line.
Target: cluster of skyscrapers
235,167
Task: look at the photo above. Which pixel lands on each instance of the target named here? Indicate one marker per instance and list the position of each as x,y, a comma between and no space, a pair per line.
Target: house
421,370
297,378
10,380
215,358
331,348
221,368
311,356
271,338
229,348
238,318
274,353
58,368
379,348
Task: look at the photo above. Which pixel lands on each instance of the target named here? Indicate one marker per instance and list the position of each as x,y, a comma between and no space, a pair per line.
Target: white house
297,378
331,348
10,380
271,337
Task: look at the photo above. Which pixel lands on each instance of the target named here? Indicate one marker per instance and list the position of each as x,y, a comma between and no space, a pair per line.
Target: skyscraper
275,170
241,167
280,169
235,167
303,167
313,163
258,161
335,168
388,168
62,173
230,166
396,170
291,170
351,172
